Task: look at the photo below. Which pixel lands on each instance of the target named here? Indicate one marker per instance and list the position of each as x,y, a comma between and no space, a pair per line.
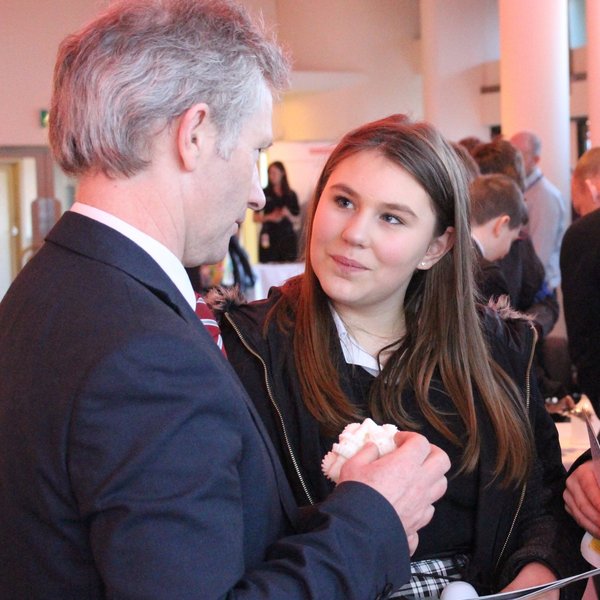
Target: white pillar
534,79
592,19
453,43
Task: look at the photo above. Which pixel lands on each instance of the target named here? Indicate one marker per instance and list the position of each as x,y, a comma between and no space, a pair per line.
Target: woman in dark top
383,323
278,241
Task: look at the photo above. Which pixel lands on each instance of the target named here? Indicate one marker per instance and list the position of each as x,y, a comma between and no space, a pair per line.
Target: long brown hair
443,330
285,186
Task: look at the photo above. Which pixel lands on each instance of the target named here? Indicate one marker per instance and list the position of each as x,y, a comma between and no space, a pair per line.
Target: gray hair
533,142
536,144
128,74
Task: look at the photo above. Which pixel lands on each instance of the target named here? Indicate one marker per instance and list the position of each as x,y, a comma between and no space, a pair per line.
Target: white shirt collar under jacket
354,353
166,260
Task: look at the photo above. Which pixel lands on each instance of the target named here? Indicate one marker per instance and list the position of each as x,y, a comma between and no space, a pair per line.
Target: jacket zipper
275,405
527,402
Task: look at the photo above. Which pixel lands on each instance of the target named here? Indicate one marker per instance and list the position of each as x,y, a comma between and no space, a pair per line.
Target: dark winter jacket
512,527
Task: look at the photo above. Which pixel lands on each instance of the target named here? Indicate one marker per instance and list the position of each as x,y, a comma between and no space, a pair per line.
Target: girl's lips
347,262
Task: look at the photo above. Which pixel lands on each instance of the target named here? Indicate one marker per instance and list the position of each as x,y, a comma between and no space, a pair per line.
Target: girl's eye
392,219
342,201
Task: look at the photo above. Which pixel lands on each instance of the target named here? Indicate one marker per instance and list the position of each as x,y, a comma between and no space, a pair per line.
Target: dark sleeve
292,202
523,272
532,275
547,533
156,441
269,205
348,513
545,314
491,281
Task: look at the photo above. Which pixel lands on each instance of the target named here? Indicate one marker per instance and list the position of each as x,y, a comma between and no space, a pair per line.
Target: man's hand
582,498
411,478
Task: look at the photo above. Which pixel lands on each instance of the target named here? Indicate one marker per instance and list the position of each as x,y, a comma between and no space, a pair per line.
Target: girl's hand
531,575
582,498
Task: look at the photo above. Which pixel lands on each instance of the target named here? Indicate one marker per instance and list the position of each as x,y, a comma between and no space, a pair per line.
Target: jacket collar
99,242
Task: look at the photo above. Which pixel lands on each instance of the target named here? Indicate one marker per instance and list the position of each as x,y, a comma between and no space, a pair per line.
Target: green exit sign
44,118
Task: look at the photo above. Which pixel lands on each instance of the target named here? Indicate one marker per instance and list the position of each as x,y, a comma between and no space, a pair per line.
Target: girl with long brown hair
384,324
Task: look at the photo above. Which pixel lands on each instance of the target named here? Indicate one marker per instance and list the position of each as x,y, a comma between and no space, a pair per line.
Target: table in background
272,274
573,436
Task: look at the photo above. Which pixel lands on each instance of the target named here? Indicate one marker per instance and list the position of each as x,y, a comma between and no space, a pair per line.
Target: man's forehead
261,122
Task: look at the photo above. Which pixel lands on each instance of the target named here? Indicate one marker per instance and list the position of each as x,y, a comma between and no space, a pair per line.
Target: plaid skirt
430,577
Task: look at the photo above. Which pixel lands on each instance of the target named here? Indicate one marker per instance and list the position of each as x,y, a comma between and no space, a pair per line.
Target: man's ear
501,222
438,247
592,184
192,133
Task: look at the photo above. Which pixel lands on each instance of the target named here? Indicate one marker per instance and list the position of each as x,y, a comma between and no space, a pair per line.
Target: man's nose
256,201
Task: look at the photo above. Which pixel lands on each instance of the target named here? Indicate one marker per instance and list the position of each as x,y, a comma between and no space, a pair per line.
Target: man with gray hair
132,462
547,214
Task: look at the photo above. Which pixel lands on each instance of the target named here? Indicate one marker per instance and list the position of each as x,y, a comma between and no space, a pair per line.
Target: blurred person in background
580,269
547,214
278,240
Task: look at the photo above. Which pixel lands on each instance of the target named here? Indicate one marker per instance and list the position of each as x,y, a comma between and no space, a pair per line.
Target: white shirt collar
354,353
166,260
478,244
533,177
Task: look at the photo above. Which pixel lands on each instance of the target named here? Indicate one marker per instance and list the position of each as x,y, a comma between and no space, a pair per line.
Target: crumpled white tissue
352,439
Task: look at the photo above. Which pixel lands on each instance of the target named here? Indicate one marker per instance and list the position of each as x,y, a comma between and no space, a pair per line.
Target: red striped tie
208,320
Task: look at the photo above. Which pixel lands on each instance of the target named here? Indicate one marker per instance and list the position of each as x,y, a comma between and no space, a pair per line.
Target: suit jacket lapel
102,243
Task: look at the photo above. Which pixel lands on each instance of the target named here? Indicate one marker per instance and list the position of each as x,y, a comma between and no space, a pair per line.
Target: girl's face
275,175
373,227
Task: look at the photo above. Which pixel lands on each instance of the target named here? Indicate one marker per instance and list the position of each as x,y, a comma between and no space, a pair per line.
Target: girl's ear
438,247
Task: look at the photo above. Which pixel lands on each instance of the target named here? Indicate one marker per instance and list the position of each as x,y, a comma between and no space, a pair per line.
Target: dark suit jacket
580,283
133,465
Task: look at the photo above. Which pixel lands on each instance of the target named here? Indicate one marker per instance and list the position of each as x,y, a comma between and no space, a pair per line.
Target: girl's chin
345,297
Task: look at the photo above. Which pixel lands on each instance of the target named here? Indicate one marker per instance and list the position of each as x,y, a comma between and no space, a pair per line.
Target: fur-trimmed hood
224,299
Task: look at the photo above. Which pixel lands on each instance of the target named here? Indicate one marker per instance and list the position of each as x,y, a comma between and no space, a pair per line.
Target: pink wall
370,48
375,42
30,31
